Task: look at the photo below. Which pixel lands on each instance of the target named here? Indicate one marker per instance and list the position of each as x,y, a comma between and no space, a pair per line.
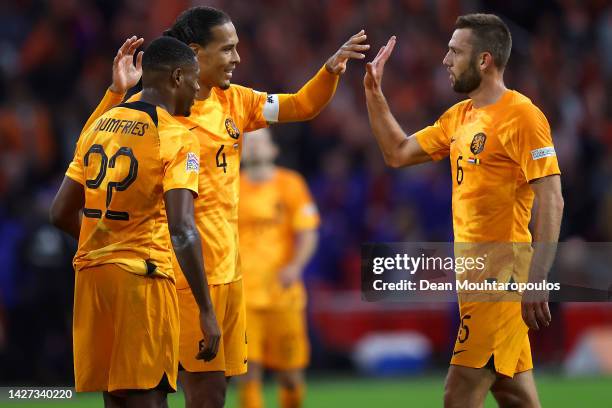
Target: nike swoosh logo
457,352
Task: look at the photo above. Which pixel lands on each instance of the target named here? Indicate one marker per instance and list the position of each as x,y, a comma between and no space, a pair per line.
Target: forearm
109,100
388,133
310,100
188,251
547,224
306,244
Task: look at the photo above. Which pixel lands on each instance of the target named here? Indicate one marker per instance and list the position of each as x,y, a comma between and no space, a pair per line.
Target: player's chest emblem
231,128
478,143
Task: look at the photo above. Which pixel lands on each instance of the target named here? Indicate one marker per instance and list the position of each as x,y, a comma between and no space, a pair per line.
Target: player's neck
489,92
203,93
261,172
155,97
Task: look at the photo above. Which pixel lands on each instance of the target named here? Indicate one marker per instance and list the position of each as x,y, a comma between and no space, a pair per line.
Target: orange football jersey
126,160
219,123
495,151
270,214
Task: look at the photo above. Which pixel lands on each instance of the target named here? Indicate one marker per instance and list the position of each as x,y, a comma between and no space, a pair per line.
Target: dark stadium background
55,60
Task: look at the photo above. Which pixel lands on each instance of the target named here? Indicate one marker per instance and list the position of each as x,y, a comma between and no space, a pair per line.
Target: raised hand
126,73
375,69
352,49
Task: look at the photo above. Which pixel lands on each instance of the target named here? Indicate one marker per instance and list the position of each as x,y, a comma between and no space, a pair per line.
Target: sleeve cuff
114,96
435,156
74,177
325,72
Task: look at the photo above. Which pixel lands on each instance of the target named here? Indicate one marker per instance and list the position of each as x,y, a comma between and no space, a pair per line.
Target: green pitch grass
558,392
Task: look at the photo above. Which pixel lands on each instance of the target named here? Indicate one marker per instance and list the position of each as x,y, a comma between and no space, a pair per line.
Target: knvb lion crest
478,143
231,128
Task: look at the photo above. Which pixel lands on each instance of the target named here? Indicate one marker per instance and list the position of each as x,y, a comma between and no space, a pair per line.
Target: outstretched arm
310,100
398,149
126,74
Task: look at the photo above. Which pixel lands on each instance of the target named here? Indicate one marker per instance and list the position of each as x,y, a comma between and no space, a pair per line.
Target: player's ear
485,61
177,77
195,47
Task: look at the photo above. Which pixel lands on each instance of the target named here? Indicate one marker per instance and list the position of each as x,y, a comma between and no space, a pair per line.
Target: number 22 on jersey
118,185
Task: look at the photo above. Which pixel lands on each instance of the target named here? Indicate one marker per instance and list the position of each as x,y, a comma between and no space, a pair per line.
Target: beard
468,80
225,85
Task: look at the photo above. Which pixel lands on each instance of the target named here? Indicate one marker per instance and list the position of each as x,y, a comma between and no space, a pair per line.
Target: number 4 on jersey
221,162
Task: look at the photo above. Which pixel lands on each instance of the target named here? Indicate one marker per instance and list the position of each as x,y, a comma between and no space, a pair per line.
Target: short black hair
165,53
194,25
491,34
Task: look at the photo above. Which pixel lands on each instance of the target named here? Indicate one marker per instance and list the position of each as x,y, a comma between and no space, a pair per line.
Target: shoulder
168,122
170,129
288,175
457,108
137,110
291,181
452,115
237,92
523,109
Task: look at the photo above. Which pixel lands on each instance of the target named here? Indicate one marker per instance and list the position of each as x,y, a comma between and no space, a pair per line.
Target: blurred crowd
55,64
